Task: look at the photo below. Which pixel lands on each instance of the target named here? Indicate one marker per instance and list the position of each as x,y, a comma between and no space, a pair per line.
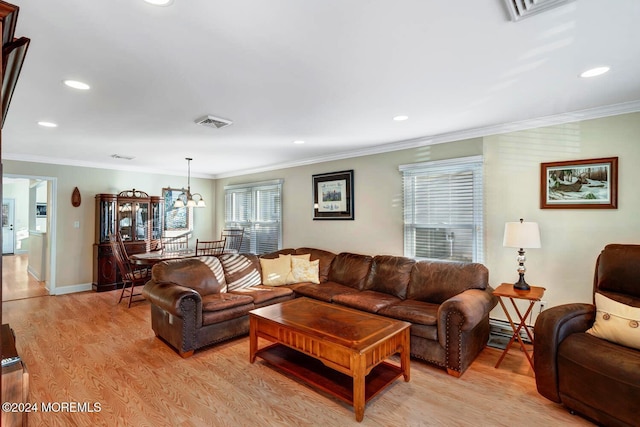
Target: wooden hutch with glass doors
137,217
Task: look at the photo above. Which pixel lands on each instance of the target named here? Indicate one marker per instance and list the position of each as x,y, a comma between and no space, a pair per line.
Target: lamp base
521,285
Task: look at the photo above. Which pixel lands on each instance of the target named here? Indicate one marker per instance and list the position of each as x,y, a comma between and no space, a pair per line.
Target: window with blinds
258,208
443,213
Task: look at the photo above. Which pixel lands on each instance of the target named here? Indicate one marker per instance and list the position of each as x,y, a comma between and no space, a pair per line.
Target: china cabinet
137,217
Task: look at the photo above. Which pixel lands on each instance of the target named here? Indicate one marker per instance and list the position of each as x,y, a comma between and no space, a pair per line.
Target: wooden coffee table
336,349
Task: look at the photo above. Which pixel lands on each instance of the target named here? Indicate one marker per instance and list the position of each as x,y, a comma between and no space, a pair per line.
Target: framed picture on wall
41,210
333,195
579,184
176,220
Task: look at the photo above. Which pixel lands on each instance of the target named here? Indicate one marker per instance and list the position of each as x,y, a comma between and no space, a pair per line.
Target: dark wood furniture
137,217
210,247
233,238
506,290
154,257
339,350
15,382
131,276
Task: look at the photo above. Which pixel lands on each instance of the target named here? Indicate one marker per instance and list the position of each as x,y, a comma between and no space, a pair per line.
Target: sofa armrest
470,307
171,296
552,327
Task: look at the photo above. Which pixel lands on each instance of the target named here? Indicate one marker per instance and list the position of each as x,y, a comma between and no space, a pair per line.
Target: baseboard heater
500,333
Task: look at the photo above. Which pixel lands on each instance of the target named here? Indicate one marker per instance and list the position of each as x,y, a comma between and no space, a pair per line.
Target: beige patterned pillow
616,322
303,270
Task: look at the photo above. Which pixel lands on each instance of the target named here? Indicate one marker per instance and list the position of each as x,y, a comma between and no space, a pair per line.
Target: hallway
17,283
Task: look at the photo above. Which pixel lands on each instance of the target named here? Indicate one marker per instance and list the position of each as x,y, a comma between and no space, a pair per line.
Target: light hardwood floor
17,283
86,348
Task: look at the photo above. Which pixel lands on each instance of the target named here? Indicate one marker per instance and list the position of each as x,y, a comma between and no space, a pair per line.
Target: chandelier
186,198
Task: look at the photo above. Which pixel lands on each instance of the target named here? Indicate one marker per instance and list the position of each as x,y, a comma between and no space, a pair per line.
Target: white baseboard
62,290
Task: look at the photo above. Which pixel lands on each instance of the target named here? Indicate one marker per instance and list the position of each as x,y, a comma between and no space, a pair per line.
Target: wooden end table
506,290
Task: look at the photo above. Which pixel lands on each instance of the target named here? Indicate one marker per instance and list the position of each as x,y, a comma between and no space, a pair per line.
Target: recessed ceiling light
159,2
48,124
77,85
595,72
298,142
400,118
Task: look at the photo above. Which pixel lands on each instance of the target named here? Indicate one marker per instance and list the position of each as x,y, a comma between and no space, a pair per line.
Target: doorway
28,217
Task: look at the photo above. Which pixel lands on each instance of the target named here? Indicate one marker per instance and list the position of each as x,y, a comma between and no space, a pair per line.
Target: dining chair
210,247
174,244
131,277
234,239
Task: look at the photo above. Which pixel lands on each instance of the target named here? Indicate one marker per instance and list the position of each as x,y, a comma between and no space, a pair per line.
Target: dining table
153,257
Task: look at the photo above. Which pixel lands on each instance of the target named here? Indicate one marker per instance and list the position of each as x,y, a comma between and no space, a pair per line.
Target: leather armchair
591,376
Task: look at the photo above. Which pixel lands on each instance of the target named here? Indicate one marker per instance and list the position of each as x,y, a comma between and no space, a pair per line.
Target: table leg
359,379
516,330
253,339
405,355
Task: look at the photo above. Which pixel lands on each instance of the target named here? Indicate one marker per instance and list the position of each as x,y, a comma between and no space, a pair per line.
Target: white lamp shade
521,235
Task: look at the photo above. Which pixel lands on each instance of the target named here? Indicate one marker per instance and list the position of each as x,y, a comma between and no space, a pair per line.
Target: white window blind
443,213
258,208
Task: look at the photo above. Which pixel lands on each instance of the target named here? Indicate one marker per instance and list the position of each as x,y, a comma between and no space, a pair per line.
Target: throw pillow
303,270
616,322
275,271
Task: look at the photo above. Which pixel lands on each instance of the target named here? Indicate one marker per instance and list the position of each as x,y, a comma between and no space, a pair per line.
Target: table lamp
521,235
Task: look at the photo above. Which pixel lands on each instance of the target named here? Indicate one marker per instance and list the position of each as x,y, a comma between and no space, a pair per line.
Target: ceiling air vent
213,122
519,9
120,156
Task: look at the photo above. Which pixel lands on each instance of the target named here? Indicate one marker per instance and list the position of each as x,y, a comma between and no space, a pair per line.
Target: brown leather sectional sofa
200,301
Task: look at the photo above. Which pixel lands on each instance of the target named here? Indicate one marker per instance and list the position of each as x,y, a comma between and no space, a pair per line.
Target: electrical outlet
543,305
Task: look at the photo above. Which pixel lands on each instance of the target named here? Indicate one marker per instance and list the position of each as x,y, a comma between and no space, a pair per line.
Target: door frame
52,209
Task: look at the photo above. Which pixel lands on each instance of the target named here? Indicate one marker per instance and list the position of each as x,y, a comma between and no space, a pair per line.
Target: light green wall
74,246
571,239
378,224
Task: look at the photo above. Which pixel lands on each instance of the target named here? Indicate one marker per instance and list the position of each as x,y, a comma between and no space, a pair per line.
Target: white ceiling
332,73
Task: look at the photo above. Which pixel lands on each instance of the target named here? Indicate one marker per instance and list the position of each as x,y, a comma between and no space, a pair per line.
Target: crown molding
98,165
556,119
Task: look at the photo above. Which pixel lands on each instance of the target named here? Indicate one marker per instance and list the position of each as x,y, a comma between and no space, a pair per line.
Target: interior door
8,238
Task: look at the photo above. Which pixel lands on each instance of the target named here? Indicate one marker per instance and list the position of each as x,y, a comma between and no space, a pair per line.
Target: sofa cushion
428,332
202,274
599,374
303,270
370,301
325,258
616,322
241,270
261,293
276,271
350,269
437,281
224,301
416,312
213,317
323,291
390,275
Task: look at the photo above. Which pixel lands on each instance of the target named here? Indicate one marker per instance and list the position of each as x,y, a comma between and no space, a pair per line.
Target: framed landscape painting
333,195
579,184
